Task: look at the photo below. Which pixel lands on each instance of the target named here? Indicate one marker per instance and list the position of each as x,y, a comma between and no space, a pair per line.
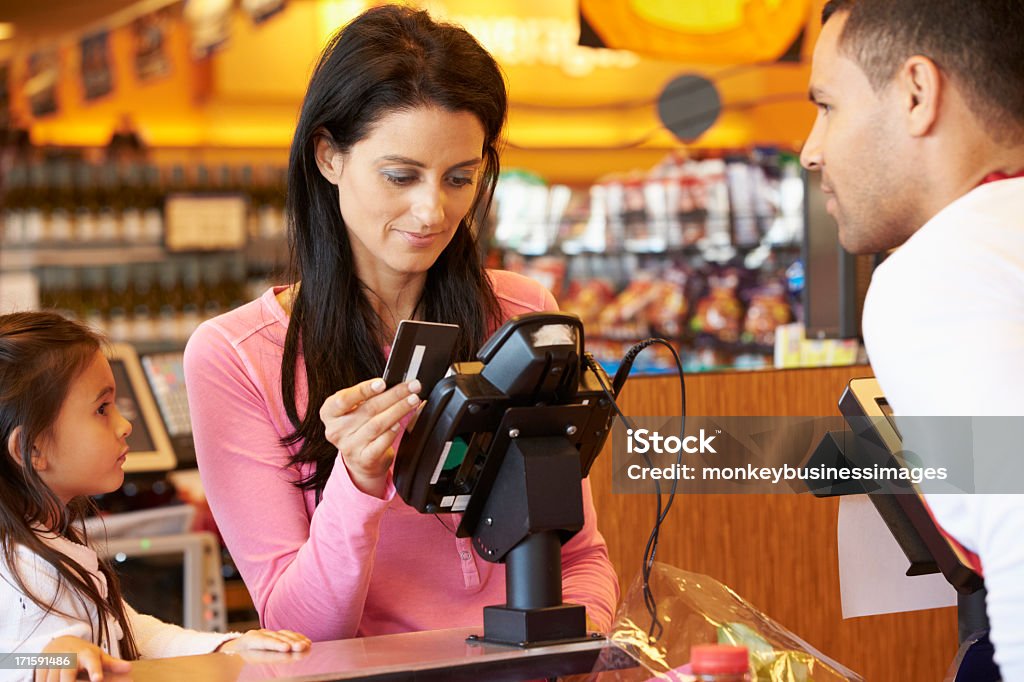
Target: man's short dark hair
979,45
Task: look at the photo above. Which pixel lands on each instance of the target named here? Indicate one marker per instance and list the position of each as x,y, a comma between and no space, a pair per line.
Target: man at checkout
920,142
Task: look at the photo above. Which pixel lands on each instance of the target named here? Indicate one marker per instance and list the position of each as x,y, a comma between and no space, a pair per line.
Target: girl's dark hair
388,59
41,354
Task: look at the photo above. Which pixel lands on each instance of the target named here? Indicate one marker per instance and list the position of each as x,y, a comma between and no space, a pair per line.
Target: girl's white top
26,628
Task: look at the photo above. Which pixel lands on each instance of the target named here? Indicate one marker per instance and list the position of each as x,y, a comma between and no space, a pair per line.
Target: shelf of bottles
703,252
92,235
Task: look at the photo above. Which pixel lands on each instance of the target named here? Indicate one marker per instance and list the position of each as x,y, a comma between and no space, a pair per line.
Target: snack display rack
705,252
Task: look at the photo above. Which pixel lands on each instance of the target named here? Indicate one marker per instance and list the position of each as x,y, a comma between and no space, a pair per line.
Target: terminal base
534,627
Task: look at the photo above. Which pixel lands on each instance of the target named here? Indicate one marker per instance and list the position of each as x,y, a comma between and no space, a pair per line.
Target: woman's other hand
92,659
266,640
362,422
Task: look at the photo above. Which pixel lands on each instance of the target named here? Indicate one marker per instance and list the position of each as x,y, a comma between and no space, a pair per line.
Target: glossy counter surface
430,655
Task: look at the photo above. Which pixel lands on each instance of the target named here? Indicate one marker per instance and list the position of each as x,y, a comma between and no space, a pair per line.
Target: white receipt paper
872,567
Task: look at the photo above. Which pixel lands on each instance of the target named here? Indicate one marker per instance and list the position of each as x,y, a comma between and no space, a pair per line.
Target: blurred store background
650,179
650,172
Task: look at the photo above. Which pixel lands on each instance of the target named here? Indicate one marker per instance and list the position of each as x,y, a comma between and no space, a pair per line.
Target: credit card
421,350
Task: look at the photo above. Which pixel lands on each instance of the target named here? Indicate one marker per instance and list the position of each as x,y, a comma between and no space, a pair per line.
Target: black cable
444,525
649,602
651,548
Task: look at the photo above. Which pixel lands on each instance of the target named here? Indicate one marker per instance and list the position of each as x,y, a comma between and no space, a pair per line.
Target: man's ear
920,84
328,158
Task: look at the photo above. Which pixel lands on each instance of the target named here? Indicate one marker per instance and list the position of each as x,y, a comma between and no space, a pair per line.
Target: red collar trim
999,175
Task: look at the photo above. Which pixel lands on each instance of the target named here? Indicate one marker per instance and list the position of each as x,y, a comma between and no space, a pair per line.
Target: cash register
874,438
165,569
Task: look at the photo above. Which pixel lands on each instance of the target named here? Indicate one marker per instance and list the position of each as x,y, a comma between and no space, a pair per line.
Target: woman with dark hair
392,166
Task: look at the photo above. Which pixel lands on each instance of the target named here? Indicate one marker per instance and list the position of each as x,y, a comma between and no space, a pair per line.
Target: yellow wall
170,109
572,118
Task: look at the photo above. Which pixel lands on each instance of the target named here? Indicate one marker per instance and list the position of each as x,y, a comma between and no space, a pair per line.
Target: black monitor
830,294
506,441
874,439
150,448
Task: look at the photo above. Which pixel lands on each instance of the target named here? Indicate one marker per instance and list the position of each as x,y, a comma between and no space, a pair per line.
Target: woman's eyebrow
402,159
393,158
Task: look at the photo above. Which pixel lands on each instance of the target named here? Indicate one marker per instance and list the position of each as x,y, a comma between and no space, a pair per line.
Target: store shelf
567,251
24,258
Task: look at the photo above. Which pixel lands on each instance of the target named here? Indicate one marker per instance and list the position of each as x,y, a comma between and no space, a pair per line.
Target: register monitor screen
149,446
166,374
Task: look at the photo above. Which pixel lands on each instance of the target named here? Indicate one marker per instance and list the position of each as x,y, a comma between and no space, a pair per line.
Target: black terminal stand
536,500
874,439
507,441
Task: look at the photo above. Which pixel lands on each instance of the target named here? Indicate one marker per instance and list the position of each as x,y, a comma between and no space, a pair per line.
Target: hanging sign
210,21
261,10
149,35
41,84
97,78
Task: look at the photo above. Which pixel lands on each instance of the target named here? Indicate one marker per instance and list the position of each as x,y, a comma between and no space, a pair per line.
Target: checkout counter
778,551
431,656
528,419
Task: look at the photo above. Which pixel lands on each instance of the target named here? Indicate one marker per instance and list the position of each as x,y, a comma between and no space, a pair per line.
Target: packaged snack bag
653,637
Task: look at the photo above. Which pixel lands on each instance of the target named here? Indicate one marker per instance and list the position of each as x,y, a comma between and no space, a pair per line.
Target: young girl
61,440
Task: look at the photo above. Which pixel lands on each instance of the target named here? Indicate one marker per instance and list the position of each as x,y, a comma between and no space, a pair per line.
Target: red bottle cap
714,659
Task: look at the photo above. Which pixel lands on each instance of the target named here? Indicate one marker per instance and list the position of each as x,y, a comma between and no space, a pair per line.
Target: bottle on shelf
14,205
58,290
270,208
175,179
62,206
245,182
87,206
132,204
110,205
151,202
193,300
95,296
118,323
143,302
212,284
172,297
235,291
202,179
70,302
224,180
37,216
